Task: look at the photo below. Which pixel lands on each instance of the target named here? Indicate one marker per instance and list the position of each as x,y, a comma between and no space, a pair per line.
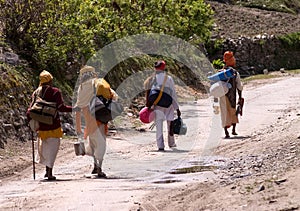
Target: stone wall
15,91
253,55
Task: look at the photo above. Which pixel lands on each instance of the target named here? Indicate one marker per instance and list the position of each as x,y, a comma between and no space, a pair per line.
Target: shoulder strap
94,86
161,90
39,92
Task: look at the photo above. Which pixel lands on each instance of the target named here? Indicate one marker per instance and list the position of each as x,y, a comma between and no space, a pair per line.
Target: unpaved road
135,168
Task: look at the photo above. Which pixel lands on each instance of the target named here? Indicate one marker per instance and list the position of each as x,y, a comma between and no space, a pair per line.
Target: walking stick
33,163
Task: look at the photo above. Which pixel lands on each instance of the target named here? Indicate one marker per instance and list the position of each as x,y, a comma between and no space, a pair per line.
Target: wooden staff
33,163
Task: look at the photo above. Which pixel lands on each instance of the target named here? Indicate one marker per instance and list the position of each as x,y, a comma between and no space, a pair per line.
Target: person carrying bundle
229,114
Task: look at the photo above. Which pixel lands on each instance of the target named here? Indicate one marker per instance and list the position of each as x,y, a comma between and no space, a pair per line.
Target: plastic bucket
79,148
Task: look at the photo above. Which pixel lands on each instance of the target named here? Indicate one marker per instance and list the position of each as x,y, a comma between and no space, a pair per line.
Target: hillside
233,21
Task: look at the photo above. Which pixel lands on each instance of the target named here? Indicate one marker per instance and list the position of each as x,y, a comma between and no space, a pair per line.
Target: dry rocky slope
253,35
234,21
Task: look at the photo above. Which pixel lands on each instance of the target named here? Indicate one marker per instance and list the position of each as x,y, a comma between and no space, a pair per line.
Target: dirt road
139,177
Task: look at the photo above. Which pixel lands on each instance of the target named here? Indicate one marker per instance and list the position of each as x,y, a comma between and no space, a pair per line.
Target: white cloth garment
47,151
95,145
85,94
162,114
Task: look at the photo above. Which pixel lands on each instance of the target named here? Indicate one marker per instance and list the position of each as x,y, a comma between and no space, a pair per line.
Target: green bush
291,40
218,64
53,34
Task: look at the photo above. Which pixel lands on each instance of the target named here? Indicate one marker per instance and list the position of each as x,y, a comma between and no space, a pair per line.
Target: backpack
159,94
41,110
104,109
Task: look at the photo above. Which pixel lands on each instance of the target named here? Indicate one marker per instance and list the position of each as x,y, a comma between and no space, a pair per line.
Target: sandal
101,175
51,178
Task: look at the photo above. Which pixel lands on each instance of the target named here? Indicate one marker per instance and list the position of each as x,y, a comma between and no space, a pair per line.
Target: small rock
261,188
278,182
272,201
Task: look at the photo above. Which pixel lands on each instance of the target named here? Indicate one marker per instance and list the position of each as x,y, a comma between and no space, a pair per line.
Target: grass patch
259,77
297,71
269,76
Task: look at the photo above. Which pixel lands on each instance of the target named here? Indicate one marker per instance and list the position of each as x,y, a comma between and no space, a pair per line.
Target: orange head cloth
45,77
229,59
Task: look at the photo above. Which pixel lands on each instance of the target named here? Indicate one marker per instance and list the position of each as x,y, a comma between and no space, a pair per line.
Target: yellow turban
229,59
45,77
86,69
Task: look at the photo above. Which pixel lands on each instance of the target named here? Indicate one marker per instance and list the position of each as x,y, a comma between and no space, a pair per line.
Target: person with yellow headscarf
228,103
94,131
49,135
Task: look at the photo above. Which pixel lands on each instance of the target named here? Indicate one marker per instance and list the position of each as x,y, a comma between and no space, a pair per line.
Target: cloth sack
159,94
41,110
103,88
219,88
34,125
165,100
179,127
105,110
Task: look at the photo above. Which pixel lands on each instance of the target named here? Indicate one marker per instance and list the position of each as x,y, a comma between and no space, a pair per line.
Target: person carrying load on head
95,131
165,107
229,113
49,135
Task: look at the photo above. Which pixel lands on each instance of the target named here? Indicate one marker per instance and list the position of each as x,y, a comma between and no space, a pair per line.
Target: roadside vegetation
63,35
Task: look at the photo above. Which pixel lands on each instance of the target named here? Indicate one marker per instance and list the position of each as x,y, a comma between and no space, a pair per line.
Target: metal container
79,148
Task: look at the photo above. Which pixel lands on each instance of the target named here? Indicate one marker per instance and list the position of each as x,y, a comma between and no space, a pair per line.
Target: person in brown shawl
228,102
49,136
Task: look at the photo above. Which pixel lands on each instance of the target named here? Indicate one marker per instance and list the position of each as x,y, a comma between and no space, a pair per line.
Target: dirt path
139,177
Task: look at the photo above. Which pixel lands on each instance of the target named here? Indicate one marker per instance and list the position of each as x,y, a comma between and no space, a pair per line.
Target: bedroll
103,88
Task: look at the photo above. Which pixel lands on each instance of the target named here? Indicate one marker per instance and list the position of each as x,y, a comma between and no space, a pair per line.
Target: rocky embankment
15,91
253,34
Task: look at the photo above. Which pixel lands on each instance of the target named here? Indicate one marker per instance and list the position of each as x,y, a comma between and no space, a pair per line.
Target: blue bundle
222,75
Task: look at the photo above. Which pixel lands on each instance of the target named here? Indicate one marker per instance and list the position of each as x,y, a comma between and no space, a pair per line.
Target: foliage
291,40
14,86
56,34
218,64
213,46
